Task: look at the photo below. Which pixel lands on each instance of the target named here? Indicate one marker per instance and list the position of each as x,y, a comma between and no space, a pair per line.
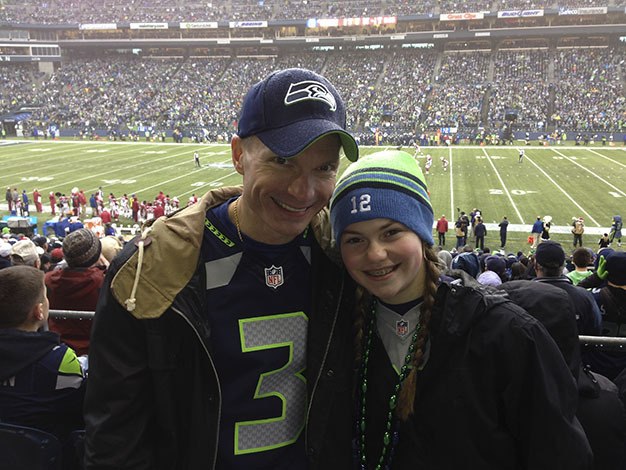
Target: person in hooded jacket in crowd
449,374
42,383
600,410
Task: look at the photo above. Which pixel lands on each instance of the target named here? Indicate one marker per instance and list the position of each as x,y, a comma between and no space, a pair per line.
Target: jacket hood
19,349
459,292
554,309
142,281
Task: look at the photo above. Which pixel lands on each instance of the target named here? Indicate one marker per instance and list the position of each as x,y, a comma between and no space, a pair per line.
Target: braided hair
404,408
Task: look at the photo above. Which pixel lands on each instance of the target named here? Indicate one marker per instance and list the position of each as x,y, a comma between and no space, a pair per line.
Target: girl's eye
351,240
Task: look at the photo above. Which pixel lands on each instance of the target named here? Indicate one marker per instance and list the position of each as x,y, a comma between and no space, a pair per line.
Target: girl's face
384,257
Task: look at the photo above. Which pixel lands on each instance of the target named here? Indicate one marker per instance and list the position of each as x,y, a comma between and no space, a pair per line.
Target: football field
559,181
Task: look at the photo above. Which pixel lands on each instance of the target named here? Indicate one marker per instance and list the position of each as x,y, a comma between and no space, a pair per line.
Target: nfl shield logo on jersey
402,328
274,276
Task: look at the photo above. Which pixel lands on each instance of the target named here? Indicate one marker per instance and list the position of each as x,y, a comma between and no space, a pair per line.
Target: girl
450,375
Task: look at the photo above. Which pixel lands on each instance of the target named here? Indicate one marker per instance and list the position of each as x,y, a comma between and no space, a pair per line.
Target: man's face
280,195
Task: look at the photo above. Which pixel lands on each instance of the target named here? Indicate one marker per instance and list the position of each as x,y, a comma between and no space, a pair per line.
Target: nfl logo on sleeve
274,276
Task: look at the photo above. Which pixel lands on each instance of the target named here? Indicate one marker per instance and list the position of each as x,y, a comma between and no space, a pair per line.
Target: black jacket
495,392
153,400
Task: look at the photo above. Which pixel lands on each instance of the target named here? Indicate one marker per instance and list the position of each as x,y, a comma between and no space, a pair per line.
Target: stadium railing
612,343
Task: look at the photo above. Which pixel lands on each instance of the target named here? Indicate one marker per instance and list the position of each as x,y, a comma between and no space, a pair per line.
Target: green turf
559,181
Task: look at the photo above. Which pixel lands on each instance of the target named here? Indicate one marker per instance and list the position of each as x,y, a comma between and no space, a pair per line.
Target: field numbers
96,151
119,181
37,178
514,192
614,194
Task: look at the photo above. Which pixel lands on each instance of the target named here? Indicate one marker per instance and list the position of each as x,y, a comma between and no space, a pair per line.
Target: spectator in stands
549,261
417,334
583,260
5,254
41,380
611,297
161,317
77,286
600,410
25,252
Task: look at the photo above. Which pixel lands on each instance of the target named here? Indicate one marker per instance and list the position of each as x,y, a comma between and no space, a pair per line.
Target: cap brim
289,141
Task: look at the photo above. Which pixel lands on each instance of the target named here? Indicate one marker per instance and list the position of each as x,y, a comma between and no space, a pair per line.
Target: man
578,228
196,158
223,336
536,231
41,381
25,253
522,152
9,198
37,200
504,225
480,232
549,262
77,286
442,228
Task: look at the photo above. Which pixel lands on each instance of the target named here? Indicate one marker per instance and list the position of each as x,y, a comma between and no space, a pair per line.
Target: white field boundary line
607,158
591,172
506,190
451,184
563,191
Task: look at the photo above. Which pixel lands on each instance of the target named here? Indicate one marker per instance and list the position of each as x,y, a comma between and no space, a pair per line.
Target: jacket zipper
219,387
319,374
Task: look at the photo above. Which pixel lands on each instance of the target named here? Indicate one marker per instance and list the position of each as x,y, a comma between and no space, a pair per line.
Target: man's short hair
582,257
21,288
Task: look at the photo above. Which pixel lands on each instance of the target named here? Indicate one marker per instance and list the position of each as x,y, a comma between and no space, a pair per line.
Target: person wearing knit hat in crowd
495,271
450,375
611,298
548,264
77,286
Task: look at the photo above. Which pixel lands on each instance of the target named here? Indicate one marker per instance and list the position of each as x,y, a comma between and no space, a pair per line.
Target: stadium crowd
124,11
405,92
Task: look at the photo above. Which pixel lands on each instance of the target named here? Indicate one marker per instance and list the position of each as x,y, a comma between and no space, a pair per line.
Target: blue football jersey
259,298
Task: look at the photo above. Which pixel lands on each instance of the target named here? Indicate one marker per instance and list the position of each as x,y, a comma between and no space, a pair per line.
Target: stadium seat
23,448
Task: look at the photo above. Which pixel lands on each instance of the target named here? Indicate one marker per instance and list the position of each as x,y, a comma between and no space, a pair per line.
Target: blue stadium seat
23,448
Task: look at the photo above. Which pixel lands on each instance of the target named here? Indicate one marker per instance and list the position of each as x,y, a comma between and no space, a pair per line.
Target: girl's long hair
406,397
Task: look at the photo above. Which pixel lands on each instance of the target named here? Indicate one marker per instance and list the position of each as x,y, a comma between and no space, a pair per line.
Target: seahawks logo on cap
310,90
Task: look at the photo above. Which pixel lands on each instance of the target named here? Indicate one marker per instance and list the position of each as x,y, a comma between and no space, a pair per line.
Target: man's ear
236,148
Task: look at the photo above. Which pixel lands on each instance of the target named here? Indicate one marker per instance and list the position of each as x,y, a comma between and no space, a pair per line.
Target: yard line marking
563,191
126,168
451,184
607,158
506,190
208,184
592,173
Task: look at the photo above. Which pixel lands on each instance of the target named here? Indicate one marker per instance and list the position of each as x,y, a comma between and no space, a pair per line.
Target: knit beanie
81,248
388,185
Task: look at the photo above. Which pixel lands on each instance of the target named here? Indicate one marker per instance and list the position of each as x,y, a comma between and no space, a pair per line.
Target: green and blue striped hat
387,184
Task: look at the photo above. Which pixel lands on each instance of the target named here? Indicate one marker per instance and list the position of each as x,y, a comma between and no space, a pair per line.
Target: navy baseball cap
293,108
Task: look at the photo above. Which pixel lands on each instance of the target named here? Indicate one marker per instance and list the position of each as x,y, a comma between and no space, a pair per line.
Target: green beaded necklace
390,437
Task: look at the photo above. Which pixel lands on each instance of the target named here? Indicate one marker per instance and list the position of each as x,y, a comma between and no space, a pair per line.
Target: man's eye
281,160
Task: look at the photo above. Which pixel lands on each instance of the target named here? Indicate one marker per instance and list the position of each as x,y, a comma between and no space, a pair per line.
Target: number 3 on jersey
287,383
